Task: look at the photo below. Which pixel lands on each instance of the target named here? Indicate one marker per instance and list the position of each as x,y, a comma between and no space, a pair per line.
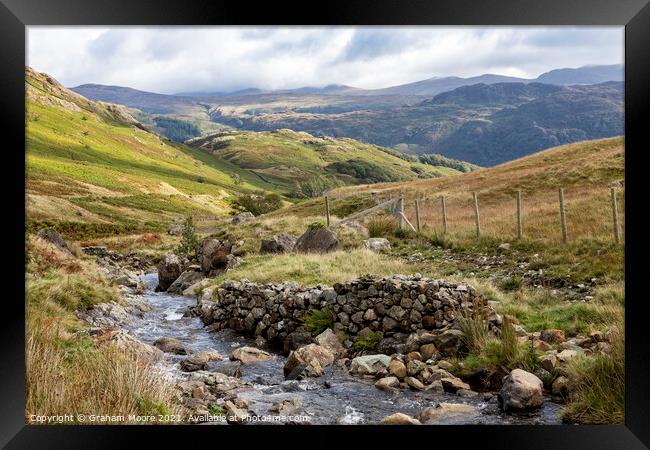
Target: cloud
175,59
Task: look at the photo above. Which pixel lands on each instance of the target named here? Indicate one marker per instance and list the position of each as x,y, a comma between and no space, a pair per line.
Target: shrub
315,226
318,320
259,202
189,241
381,226
510,284
367,342
597,386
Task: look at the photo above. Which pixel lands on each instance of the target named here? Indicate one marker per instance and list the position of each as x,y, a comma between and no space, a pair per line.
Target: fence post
400,211
327,209
476,215
417,214
617,235
565,237
520,230
444,214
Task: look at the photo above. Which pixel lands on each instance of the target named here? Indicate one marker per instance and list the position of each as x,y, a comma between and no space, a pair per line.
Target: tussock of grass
381,225
597,386
311,269
367,342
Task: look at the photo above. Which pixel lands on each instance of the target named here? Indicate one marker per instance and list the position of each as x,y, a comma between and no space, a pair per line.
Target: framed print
387,214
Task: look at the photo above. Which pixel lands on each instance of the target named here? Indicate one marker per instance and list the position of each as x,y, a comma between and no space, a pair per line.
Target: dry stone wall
391,305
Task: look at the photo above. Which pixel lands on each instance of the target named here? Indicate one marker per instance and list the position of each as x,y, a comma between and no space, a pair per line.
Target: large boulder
170,345
317,240
329,340
370,365
169,269
280,243
248,355
310,360
521,391
185,280
216,256
377,244
195,362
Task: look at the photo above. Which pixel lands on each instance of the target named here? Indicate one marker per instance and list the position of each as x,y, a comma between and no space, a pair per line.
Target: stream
335,398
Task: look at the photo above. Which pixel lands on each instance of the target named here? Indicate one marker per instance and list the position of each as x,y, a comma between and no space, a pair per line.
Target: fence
558,215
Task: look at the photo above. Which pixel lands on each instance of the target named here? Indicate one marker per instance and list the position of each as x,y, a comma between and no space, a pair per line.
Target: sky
221,59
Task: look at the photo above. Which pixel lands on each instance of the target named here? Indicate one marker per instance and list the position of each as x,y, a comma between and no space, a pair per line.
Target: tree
189,241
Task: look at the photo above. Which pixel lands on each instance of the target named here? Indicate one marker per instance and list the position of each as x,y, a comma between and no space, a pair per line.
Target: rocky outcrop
395,306
377,244
280,243
216,256
521,391
175,229
317,240
243,217
56,239
169,269
185,280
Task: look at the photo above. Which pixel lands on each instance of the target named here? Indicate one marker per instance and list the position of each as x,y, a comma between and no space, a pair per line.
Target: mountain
435,86
584,75
302,165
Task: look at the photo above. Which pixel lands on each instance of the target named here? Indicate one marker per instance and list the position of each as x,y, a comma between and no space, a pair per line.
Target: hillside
302,165
91,167
585,170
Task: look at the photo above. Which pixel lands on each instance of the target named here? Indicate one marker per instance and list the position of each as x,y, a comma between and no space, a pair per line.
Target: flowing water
336,397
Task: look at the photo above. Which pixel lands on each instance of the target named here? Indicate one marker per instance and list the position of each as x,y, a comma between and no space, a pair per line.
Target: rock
449,342
548,362
370,364
435,386
317,240
453,384
545,376
170,345
397,368
248,355
466,393
387,383
230,368
288,407
210,355
566,355
446,365
377,244
175,229
184,281
215,256
55,238
243,217
194,363
552,336
521,391
169,269
428,351
313,357
296,340
355,227
560,387
505,246
448,413
125,342
235,414
414,367
399,419
280,243
414,383
538,344
328,340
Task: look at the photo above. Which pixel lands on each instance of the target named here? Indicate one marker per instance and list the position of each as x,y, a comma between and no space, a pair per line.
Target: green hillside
91,167
302,165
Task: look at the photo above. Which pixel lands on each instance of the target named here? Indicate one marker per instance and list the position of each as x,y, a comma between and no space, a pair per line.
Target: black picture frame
15,15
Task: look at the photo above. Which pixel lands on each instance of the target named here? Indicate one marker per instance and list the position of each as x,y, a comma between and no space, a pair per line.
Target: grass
381,225
67,372
597,386
368,341
318,320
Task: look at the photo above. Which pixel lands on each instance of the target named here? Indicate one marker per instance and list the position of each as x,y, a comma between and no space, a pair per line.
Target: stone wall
392,305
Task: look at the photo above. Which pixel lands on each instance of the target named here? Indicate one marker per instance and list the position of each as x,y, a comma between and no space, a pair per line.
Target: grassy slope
285,157
86,166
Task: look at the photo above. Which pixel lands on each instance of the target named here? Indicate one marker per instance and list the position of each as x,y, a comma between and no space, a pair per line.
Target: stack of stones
391,305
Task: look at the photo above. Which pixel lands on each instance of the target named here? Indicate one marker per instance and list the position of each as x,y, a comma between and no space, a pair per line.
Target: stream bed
335,398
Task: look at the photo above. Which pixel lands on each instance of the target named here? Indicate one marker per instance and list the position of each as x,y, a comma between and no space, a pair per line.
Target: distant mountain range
484,120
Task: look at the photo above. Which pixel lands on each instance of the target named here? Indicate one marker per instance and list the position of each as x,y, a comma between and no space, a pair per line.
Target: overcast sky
178,59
